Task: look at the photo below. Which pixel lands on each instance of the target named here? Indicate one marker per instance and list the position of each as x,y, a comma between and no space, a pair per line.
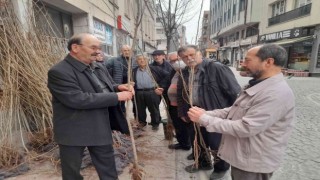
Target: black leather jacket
218,87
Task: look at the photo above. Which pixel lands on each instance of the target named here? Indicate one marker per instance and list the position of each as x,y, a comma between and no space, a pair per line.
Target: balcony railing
301,11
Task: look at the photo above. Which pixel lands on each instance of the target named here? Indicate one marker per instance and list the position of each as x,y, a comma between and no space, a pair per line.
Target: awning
290,41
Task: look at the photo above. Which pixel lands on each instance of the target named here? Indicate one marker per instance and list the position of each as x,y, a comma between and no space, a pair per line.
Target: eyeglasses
94,48
192,56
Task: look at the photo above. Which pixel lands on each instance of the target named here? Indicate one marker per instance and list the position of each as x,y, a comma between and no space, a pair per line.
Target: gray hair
278,53
184,48
144,55
125,46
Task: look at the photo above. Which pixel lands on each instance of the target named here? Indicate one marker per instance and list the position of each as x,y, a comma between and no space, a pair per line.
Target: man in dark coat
149,89
82,92
214,87
160,61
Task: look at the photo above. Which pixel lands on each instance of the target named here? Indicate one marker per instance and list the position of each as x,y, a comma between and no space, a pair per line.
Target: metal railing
301,11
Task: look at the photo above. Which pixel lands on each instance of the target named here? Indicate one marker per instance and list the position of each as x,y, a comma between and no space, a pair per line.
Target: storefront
298,42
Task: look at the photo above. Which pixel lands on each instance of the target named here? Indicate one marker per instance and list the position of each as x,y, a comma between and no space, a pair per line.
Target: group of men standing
245,128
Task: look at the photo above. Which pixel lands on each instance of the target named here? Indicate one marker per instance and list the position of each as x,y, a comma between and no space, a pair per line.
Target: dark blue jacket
117,66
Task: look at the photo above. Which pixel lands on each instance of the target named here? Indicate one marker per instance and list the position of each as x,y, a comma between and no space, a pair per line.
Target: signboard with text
290,33
99,30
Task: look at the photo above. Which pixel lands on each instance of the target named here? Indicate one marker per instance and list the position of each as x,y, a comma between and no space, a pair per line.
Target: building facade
295,25
208,49
237,25
111,21
234,27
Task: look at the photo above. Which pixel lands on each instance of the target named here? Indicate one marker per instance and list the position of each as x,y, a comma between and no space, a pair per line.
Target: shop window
278,8
300,55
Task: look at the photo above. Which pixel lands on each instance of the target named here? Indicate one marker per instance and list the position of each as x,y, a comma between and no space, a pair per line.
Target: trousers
102,159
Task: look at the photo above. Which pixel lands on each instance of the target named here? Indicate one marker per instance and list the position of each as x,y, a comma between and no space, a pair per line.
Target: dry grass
9,157
26,52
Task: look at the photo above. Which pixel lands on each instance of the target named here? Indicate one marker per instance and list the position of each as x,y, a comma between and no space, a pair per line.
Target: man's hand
124,95
194,113
159,91
125,87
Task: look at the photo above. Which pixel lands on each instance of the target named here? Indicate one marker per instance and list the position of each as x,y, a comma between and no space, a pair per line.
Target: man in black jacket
214,87
160,61
82,93
149,89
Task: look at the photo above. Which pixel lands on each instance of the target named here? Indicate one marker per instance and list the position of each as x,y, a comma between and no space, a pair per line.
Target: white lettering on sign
278,35
99,30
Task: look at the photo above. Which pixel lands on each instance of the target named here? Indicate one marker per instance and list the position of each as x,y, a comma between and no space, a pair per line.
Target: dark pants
211,140
102,159
180,127
148,99
238,174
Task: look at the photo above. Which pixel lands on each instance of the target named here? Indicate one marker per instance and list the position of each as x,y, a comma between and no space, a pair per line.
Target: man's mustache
94,54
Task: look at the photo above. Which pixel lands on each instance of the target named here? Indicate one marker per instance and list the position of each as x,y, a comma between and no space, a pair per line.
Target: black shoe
142,125
155,128
179,146
190,156
192,168
217,175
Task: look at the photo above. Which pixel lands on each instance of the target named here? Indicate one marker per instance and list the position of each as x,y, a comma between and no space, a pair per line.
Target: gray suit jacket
80,108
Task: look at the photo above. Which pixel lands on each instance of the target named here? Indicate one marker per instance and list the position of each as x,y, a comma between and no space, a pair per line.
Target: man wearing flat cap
159,60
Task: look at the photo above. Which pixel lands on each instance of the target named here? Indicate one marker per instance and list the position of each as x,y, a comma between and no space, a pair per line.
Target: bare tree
172,14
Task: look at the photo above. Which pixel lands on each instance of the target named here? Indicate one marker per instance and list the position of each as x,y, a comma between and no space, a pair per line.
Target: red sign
119,22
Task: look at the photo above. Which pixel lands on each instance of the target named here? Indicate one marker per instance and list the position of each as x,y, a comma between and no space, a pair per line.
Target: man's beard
256,75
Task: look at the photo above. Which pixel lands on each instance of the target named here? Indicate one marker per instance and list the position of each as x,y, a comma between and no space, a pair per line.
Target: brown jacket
256,127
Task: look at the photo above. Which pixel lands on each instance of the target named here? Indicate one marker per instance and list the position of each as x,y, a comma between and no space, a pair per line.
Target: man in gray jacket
257,126
82,92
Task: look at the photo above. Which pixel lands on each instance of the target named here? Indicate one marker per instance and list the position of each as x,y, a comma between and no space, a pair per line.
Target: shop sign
108,35
99,30
233,44
124,23
246,41
275,36
290,33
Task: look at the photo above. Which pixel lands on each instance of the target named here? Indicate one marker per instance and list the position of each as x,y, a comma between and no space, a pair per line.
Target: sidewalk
160,162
